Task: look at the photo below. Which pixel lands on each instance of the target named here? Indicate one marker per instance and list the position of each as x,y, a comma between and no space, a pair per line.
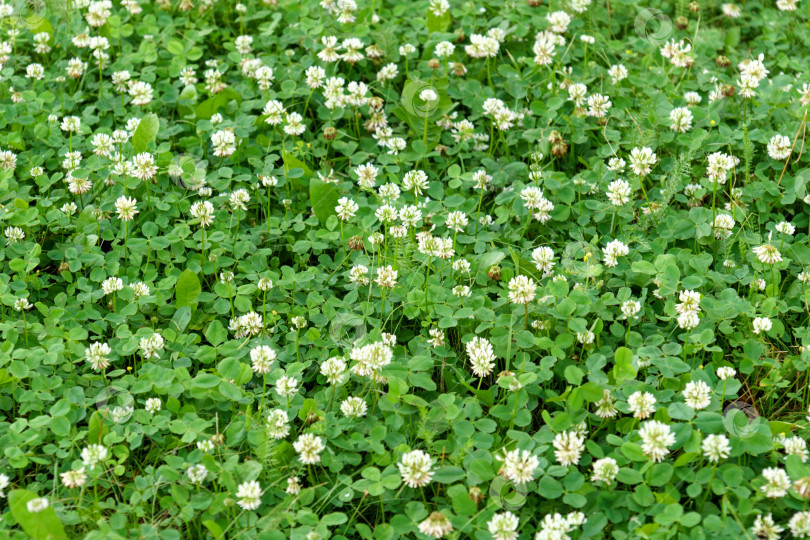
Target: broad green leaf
438,23
187,289
323,198
146,132
42,525
216,333
623,368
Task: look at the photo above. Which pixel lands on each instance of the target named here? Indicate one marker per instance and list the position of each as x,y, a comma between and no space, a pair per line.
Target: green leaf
230,368
522,266
44,525
549,488
644,267
291,162
448,474
206,380
187,289
216,333
175,47
181,318
323,198
573,375
214,528
438,23
60,426
592,392
624,368
209,107
661,474
146,132
732,38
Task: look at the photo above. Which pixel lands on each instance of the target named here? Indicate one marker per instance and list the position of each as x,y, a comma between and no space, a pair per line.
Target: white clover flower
224,143
606,407
762,324
785,228
293,486
151,346
37,505
723,223
286,386
779,147
309,448
605,470
777,482
93,454
503,526
692,98
569,446
416,468
386,277
768,253
346,208
436,525
152,405
205,446
197,473
764,526
616,164
689,302
642,160
519,466
680,120
277,424
619,192
482,357
598,105
617,73
796,446
642,404
696,394
656,439
262,358
614,250
74,478
444,49
522,289
630,308
353,407
799,524
204,212
98,355
726,372
249,495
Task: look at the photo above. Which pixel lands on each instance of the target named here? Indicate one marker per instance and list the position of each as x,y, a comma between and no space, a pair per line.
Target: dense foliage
376,269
